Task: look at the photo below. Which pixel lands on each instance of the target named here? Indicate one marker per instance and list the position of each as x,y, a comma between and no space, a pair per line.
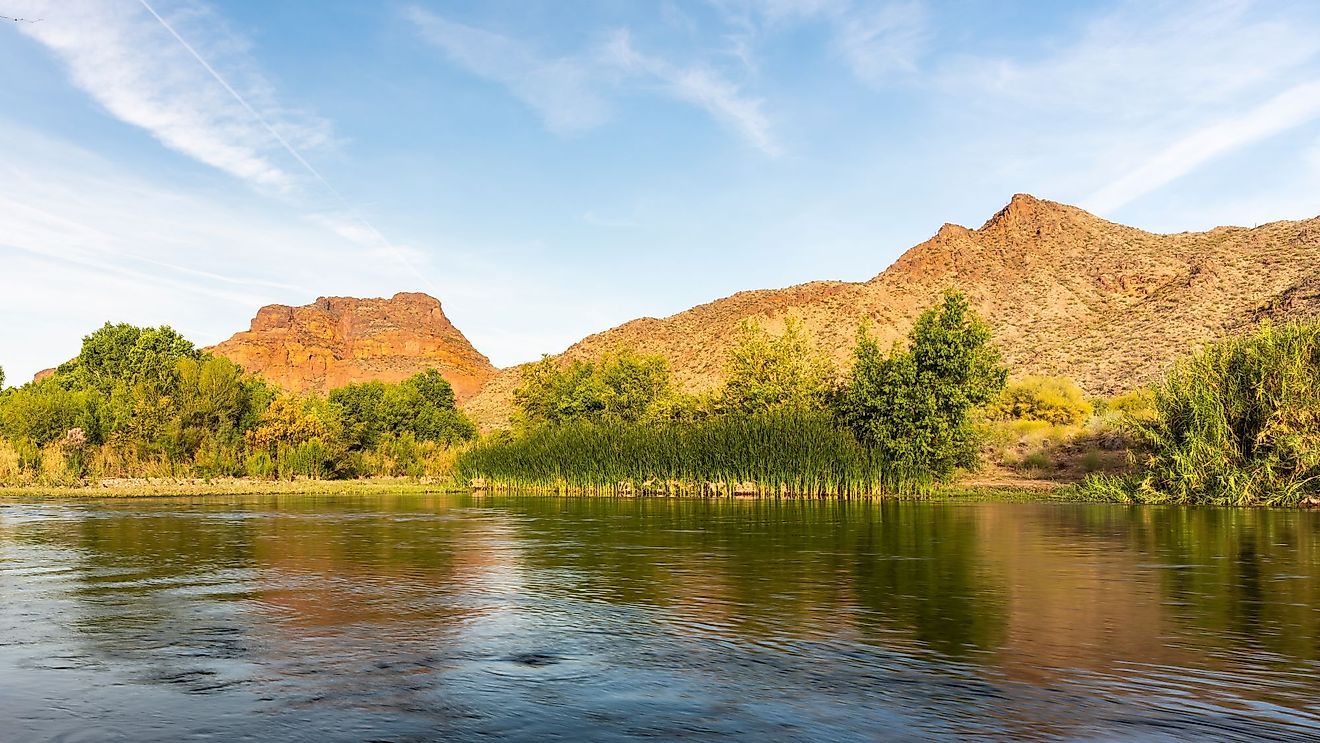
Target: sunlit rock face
338,340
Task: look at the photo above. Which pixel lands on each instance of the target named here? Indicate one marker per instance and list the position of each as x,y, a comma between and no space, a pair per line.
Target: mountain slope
337,340
1067,293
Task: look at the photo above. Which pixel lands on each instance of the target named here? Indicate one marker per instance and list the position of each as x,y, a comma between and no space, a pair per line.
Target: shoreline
168,487
989,489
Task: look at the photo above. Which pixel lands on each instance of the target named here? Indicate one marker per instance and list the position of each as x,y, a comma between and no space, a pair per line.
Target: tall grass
775,453
1237,423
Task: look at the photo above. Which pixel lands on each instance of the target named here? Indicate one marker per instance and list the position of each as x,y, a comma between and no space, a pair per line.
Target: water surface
541,618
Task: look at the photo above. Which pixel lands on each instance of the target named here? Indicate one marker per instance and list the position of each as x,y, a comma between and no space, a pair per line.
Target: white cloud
1293,107
1148,59
571,92
879,42
1132,99
561,89
883,42
701,87
131,64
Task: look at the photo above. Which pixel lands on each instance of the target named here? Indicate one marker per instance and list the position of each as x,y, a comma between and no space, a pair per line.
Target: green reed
787,453
1237,423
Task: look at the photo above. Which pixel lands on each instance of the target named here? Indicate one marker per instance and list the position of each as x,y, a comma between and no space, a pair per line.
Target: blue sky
551,169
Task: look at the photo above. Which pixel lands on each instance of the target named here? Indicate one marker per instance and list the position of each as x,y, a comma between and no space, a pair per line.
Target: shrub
766,373
1236,423
621,386
1054,400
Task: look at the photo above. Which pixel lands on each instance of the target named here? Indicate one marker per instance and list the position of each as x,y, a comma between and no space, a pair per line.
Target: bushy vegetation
1053,400
144,402
1046,427
1237,423
622,387
913,406
765,373
781,423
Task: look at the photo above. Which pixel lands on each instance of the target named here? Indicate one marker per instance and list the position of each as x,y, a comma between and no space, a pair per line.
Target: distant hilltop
1066,293
337,340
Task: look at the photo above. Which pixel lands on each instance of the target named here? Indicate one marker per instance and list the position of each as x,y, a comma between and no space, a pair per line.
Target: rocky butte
338,340
1066,293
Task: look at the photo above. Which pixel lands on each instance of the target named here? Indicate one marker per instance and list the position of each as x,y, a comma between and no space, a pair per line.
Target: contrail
293,152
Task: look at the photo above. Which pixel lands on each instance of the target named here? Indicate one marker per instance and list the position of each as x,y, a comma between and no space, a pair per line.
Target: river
456,617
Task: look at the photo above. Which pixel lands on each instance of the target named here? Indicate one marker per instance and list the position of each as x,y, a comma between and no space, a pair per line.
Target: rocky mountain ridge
1066,292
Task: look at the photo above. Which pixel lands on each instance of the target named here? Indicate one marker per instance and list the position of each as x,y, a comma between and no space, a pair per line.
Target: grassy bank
135,488
1028,491
789,453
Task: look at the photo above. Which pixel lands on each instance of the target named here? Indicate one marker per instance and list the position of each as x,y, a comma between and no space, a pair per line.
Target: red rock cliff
338,340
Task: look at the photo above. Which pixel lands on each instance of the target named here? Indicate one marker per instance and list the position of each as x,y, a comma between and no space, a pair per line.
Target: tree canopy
913,405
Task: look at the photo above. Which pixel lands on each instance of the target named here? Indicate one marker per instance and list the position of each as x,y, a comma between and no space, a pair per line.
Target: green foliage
126,356
421,406
289,422
145,402
1236,423
913,406
623,386
768,373
785,452
1054,400
41,413
1135,405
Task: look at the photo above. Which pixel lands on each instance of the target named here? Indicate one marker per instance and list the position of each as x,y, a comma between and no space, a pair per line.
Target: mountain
337,340
1066,293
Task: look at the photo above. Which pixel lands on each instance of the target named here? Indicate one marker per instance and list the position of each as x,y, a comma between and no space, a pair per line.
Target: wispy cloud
1132,99
563,90
572,93
699,86
1291,108
1148,59
879,42
131,64
193,86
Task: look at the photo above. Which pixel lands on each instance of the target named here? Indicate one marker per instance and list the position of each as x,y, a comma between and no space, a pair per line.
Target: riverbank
161,487
980,489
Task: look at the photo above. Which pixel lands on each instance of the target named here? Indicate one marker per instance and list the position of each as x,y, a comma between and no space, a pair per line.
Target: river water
542,618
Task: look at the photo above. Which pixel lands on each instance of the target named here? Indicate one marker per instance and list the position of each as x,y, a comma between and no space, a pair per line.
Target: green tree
423,405
913,406
288,422
767,373
123,355
623,386
361,414
41,413
214,405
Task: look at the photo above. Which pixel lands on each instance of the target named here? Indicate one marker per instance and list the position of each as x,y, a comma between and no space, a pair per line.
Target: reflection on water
458,618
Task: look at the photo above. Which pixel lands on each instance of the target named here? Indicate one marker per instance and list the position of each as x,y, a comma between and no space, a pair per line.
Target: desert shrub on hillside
1054,400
